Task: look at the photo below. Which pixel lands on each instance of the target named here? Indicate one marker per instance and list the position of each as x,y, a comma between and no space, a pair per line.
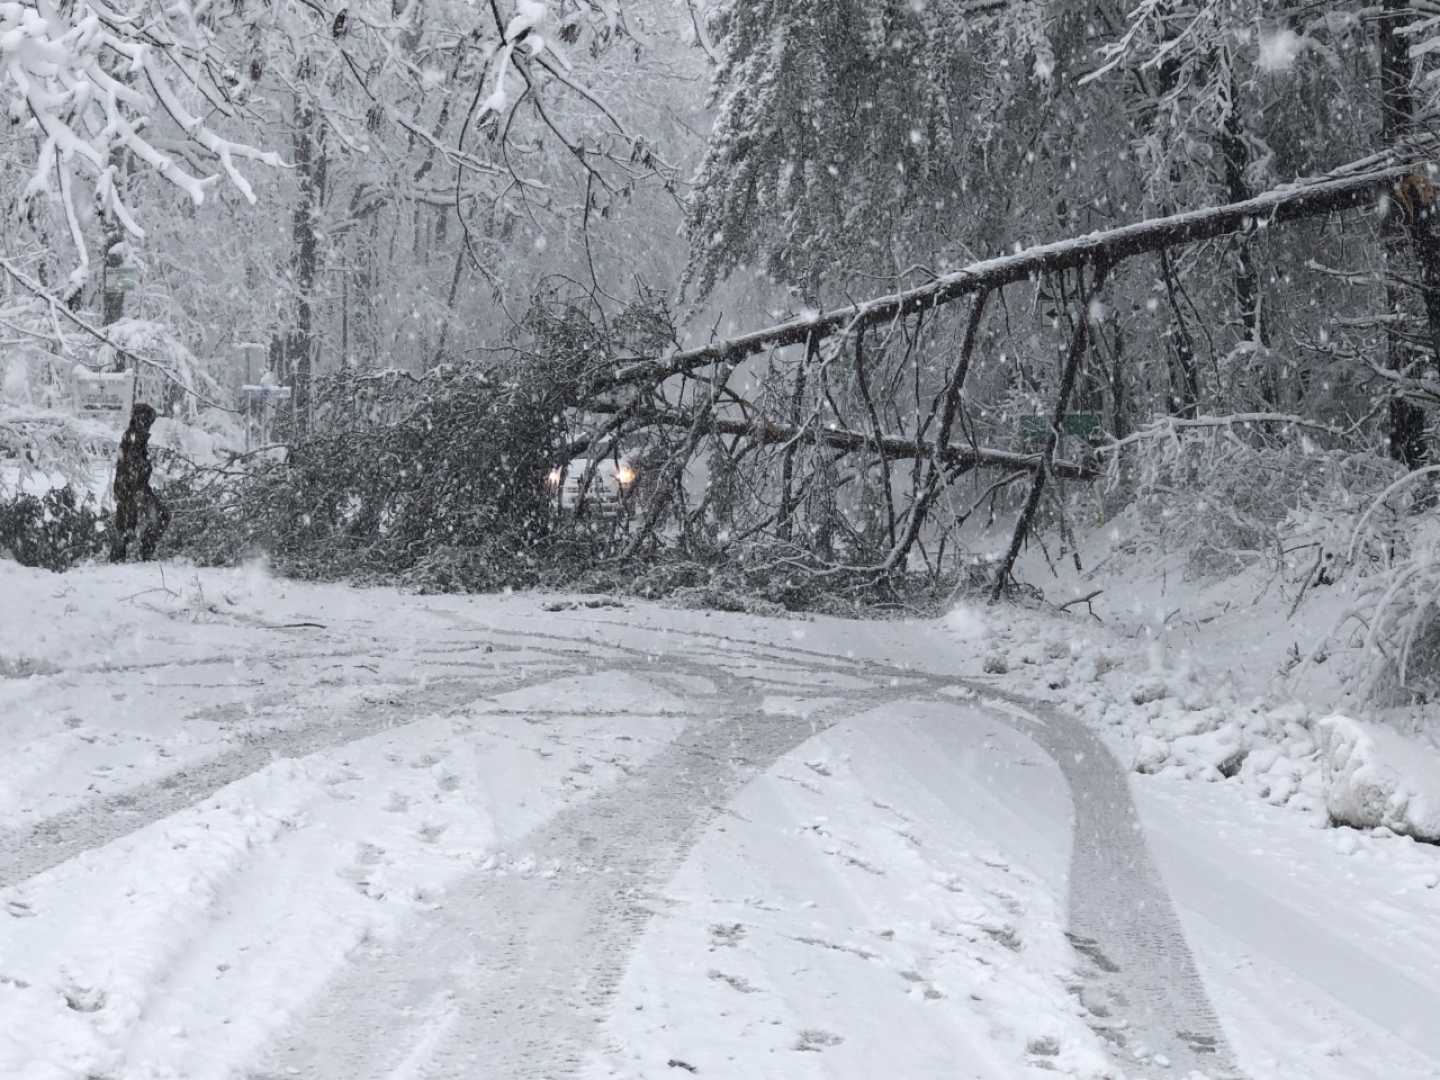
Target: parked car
610,484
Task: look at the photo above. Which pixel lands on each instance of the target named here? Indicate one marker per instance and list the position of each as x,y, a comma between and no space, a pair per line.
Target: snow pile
1177,721
966,624
1375,777
1173,720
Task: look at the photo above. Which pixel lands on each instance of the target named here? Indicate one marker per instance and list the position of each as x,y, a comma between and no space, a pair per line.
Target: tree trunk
309,153
762,431
112,305
1236,156
1293,202
1184,396
1406,435
785,522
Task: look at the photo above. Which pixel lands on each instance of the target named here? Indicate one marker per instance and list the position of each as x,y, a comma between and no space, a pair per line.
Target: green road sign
1033,429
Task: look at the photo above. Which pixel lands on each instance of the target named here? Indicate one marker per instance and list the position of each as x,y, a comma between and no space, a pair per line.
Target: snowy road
448,837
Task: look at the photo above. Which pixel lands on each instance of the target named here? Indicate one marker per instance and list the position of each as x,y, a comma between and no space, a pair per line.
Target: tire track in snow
36,848
485,991
1122,919
509,980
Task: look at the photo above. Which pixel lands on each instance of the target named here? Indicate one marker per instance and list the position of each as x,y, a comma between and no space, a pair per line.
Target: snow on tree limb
1170,426
57,310
1293,202
65,69
764,431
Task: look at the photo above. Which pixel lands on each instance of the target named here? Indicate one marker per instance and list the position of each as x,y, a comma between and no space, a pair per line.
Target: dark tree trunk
1184,397
1119,392
1235,154
785,524
1397,105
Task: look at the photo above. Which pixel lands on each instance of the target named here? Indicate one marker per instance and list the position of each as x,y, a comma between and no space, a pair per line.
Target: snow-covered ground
256,829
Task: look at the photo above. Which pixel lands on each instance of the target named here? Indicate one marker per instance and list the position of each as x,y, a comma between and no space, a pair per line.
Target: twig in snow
1086,601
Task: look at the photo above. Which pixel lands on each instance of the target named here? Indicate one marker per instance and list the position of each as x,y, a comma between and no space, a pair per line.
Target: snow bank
1180,722
1377,777
1174,720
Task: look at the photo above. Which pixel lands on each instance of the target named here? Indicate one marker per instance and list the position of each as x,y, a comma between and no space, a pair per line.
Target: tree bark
309,151
112,305
1236,157
1185,374
1406,434
785,522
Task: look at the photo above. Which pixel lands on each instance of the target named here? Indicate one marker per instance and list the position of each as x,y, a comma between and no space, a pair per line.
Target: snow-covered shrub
1230,498
55,530
1394,556
451,496
43,448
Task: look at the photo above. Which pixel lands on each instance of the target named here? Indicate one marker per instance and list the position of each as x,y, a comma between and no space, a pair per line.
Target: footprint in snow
360,873
853,950
84,999
855,861
397,803
735,982
726,935
1004,935
919,981
448,783
368,854
1044,1046
1090,949
1008,902
813,1040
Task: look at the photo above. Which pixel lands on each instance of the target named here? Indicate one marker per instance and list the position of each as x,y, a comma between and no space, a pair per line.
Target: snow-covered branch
60,310
1170,427
1292,202
763,431
75,74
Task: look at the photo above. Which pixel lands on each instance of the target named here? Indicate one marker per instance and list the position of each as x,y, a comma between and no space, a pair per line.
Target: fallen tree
912,435
767,432
838,458
1292,202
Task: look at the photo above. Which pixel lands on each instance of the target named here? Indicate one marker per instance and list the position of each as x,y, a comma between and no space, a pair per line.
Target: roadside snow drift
1376,777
